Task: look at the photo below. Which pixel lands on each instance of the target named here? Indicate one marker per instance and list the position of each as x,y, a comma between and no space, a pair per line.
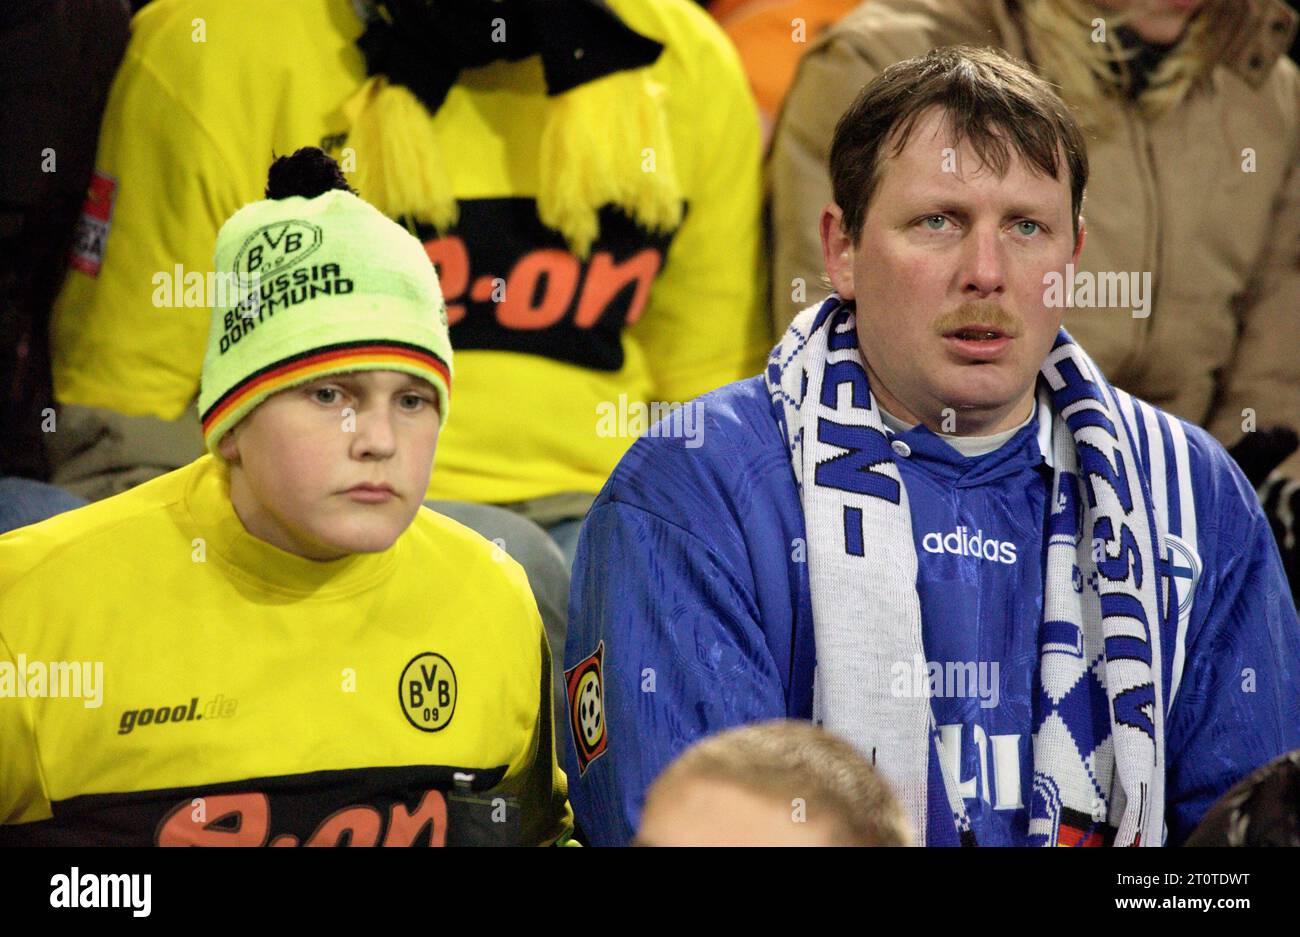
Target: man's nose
983,269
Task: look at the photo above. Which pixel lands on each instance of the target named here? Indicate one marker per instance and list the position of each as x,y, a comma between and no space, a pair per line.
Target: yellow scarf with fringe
605,142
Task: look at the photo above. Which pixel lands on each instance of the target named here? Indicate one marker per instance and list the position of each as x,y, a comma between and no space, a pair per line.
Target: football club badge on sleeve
92,228
586,690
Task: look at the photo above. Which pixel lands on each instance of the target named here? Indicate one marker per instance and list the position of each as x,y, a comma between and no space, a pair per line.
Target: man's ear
1078,241
837,251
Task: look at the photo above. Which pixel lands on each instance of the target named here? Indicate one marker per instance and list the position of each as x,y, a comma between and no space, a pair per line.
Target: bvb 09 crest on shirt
427,691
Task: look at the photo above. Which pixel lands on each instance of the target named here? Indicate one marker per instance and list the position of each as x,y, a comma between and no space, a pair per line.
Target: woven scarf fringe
603,143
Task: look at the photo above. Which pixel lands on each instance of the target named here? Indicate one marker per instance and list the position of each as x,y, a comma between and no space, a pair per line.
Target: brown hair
789,759
990,99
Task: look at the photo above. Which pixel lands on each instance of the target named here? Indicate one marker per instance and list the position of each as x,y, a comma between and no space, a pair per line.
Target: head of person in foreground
779,783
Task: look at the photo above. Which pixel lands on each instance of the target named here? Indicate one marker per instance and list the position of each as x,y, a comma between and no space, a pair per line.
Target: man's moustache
986,314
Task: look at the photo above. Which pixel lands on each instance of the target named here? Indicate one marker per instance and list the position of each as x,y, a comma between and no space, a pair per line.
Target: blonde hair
788,759
1091,75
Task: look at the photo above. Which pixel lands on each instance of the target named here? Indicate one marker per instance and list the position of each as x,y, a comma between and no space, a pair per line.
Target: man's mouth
978,343
977,333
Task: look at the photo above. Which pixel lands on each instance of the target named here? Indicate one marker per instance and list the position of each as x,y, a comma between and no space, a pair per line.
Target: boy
235,630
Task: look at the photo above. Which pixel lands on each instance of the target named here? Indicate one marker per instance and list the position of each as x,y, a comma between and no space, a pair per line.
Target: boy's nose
376,437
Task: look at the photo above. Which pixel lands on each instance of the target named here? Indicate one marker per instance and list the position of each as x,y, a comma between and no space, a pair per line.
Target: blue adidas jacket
690,600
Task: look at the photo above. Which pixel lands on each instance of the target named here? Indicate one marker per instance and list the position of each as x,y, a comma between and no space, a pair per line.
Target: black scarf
424,44
1146,59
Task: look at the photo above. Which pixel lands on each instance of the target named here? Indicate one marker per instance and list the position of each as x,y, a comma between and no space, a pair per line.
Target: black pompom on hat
308,172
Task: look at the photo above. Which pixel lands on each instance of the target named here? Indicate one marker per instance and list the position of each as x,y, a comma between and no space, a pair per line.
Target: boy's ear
228,447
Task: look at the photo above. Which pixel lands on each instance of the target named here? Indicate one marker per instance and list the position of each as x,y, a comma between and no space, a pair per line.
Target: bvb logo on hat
586,690
325,284
276,246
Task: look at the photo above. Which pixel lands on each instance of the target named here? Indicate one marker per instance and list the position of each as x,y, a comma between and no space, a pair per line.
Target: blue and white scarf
867,615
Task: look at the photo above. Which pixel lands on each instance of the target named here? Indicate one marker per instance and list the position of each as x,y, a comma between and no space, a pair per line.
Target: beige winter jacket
1170,197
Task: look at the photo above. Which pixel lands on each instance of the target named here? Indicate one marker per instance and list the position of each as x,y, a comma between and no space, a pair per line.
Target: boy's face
336,466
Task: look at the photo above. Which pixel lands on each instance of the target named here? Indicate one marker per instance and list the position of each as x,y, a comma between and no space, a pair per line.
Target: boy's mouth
370,494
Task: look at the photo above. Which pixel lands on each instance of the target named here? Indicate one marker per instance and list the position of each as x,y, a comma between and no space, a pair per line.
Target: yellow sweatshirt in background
545,342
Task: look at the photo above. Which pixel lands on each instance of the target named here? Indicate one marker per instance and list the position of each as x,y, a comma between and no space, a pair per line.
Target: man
1204,224
779,783
1048,612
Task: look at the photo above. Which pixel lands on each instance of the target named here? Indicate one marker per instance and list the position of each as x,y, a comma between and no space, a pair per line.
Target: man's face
705,812
310,465
948,277
1159,21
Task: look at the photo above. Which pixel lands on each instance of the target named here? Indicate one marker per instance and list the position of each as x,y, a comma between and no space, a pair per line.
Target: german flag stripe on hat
330,359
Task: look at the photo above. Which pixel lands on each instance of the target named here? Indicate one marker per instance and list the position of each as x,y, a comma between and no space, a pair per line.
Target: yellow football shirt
167,678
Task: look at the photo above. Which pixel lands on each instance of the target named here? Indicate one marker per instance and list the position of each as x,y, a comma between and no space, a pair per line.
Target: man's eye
326,395
930,222
413,401
1033,228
